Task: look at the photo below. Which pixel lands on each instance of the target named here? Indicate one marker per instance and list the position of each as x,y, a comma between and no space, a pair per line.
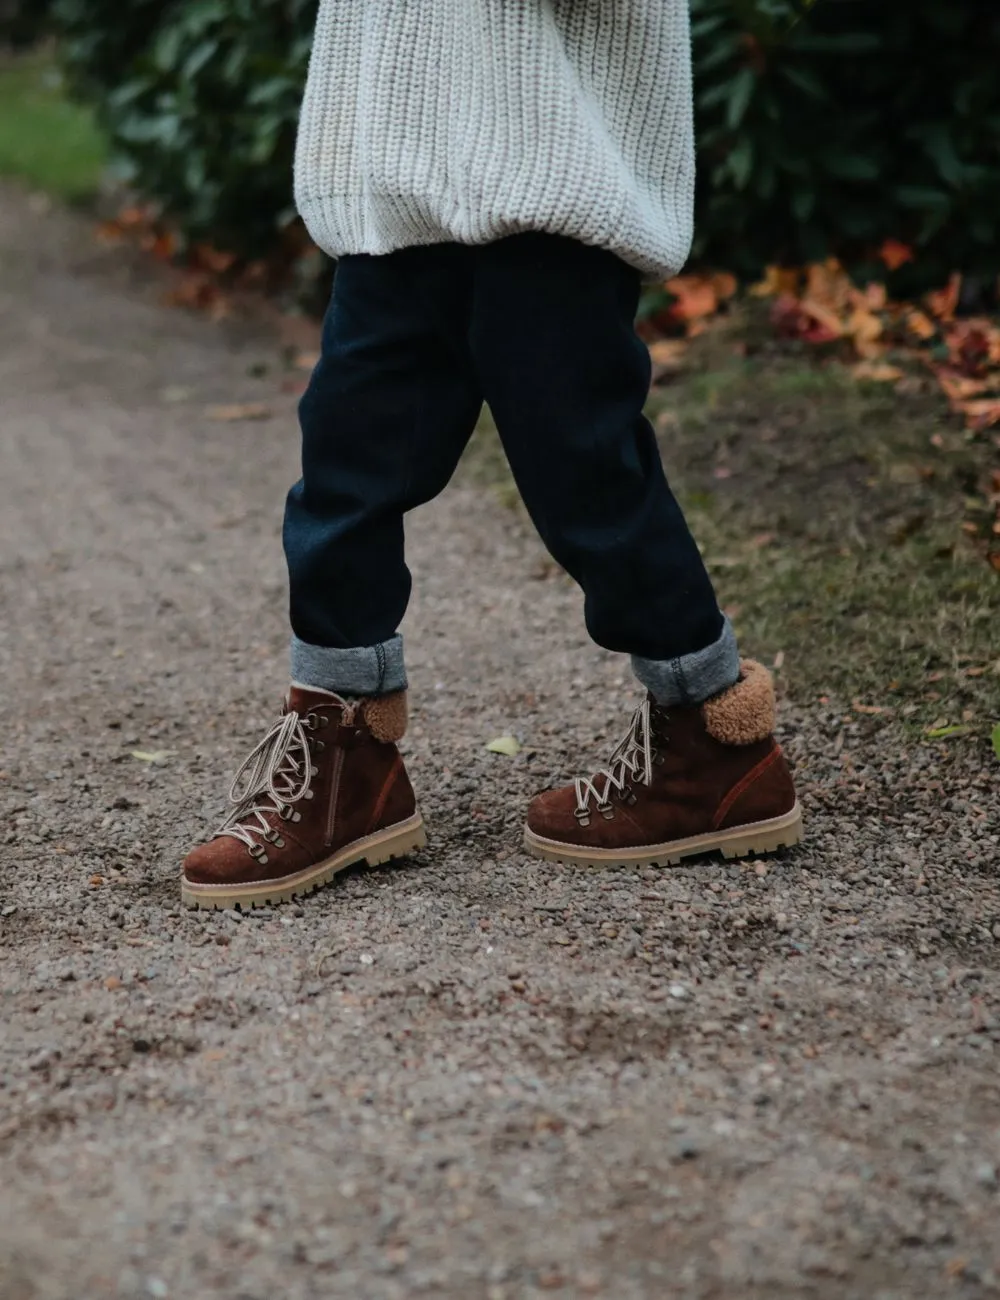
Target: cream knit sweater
468,120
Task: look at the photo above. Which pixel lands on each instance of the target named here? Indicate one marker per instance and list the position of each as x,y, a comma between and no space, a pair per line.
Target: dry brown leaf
239,411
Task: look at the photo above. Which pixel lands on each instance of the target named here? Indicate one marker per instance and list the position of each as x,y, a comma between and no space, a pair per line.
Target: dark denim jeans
541,328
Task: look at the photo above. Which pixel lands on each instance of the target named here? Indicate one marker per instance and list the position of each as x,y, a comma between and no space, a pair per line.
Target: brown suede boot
325,788
683,781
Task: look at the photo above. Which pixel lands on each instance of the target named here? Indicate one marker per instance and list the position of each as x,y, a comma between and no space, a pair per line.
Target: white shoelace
631,763
275,776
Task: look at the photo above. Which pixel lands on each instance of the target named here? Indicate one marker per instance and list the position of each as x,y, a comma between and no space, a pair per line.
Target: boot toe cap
552,816
222,861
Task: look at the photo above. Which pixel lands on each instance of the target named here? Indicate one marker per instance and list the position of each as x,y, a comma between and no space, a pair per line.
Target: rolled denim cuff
362,670
693,678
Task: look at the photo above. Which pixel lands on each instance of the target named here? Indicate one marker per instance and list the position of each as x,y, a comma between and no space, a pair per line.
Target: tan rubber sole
738,842
393,842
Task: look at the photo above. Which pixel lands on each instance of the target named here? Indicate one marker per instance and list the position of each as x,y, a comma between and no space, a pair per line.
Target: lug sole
394,842
737,842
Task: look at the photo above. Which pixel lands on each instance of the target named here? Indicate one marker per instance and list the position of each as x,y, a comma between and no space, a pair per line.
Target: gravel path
473,1075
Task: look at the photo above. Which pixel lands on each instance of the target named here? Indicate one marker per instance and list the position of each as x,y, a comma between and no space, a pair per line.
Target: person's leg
566,378
555,348
390,407
389,410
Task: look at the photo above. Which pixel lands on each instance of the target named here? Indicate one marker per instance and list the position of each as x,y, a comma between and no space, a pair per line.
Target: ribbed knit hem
363,670
382,224
694,678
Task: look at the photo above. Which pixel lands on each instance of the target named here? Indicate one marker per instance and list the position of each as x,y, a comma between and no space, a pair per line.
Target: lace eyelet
257,852
319,746
606,811
582,815
274,838
286,812
311,721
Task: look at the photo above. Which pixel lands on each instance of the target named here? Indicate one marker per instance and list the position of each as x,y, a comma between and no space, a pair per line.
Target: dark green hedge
871,118
864,120
200,99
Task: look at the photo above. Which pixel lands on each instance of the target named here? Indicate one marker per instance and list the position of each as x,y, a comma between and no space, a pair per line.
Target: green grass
45,140
832,526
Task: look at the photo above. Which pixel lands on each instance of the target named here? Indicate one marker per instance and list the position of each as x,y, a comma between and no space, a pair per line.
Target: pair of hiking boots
326,788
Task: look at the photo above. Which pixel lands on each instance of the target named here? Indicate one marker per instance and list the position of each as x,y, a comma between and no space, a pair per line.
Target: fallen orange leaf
694,297
894,254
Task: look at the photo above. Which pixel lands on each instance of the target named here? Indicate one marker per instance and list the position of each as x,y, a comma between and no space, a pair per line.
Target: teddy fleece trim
745,713
386,716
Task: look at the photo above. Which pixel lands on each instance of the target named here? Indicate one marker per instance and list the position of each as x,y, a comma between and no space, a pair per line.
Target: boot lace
630,764
275,776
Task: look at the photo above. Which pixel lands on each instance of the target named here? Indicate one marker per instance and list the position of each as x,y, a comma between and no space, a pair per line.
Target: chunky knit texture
433,120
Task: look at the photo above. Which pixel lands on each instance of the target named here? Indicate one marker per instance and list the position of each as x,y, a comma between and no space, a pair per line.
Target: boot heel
397,842
765,837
